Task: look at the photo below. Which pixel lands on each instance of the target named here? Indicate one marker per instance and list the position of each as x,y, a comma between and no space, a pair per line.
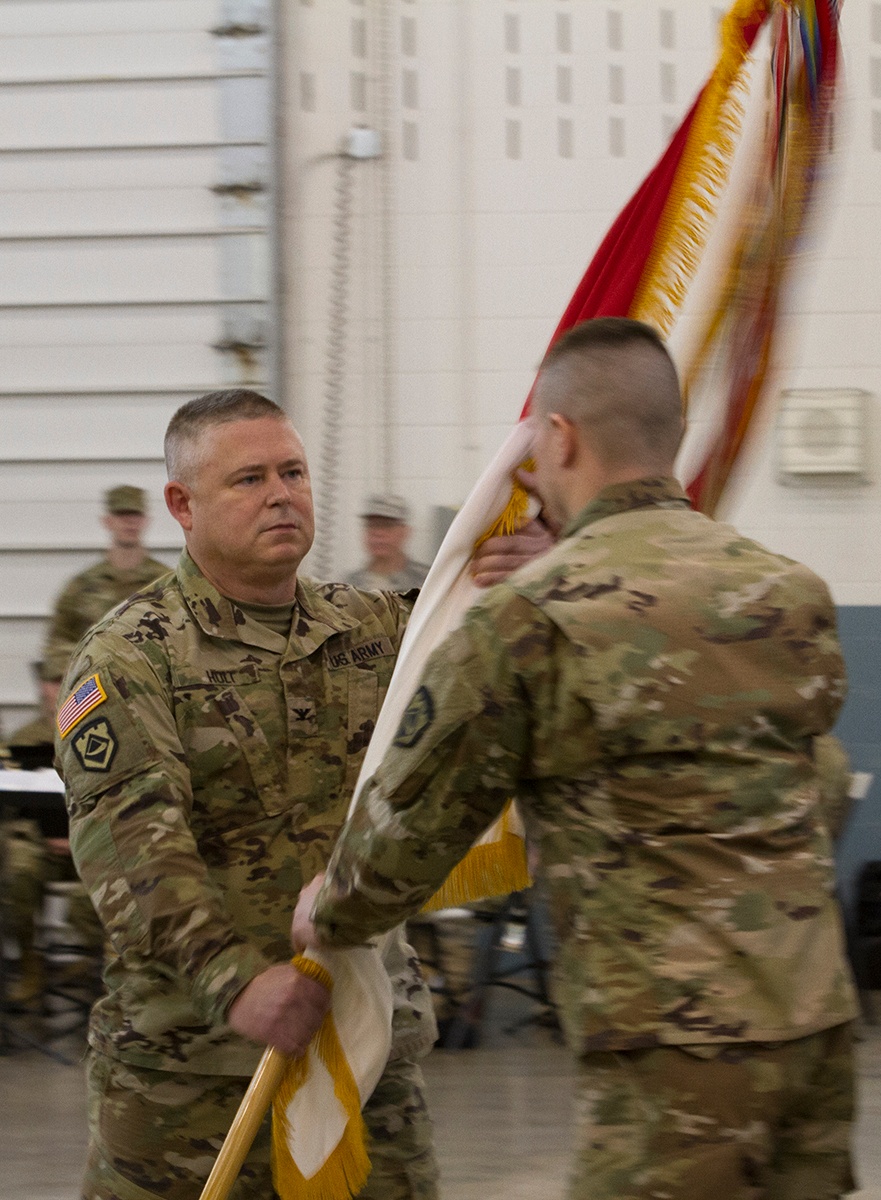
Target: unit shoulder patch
79,704
96,746
417,718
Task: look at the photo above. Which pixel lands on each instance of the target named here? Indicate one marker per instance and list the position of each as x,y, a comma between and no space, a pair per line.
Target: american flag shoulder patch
79,704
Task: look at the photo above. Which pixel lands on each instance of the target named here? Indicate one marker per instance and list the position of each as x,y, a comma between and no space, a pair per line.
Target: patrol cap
126,498
386,504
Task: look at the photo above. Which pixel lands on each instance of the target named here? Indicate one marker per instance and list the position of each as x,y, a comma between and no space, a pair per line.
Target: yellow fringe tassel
514,512
488,869
701,178
345,1171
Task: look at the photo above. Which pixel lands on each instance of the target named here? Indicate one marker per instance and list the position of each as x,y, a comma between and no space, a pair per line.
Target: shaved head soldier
650,691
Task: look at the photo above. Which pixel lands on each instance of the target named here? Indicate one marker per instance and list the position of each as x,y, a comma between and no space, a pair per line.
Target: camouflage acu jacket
649,690
87,598
209,765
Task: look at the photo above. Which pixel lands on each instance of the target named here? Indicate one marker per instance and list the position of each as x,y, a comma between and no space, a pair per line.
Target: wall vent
823,434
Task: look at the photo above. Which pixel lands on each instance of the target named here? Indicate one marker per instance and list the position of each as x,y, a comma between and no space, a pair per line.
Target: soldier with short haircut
125,569
210,744
650,690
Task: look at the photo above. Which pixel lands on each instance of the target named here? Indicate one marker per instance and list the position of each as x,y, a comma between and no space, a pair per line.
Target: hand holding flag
280,1007
645,266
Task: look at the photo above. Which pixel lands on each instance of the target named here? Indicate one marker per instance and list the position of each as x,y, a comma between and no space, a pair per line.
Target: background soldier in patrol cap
386,532
125,569
213,732
650,690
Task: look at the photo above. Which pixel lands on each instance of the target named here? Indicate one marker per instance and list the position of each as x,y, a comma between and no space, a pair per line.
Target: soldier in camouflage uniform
650,691
85,599
212,739
386,532
30,861
27,864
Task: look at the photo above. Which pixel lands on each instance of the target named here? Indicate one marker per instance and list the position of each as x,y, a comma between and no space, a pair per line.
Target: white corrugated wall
135,270
134,204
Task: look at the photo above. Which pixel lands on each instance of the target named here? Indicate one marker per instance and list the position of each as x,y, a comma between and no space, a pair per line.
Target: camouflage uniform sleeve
454,763
130,800
833,770
62,636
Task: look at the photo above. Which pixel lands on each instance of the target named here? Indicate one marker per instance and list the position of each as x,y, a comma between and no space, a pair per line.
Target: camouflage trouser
737,1122
156,1134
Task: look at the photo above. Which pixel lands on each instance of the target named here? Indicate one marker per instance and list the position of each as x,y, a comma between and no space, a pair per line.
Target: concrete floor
502,1117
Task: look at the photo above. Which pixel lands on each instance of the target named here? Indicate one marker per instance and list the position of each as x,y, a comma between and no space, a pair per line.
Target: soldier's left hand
498,557
302,930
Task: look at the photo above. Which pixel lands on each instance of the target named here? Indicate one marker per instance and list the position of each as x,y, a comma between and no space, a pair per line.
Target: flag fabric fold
318,1137
647,265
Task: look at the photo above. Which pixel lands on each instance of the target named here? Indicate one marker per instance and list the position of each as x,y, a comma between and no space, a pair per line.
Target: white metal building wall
134,204
516,130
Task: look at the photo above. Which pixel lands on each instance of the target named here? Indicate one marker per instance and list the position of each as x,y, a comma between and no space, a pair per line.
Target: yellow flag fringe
744,312
513,515
491,868
345,1171
700,180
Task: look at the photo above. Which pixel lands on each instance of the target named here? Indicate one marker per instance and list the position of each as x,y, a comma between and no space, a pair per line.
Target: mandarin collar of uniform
315,620
661,492
215,615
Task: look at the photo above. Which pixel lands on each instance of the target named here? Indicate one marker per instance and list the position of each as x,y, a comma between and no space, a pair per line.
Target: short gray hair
192,419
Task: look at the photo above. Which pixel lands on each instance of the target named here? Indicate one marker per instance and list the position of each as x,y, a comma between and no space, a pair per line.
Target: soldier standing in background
30,860
650,690
386,532
40,731
125,569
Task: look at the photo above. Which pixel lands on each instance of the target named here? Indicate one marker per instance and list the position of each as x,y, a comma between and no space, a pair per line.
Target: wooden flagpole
246,1122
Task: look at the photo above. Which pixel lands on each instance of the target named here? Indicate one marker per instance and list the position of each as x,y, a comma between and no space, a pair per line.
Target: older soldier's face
249,516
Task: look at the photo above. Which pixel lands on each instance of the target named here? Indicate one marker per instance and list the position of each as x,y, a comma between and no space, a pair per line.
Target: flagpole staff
246,1122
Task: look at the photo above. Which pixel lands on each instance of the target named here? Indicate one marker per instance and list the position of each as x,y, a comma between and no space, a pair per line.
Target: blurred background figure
31,859
39,733
386,531
124,570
